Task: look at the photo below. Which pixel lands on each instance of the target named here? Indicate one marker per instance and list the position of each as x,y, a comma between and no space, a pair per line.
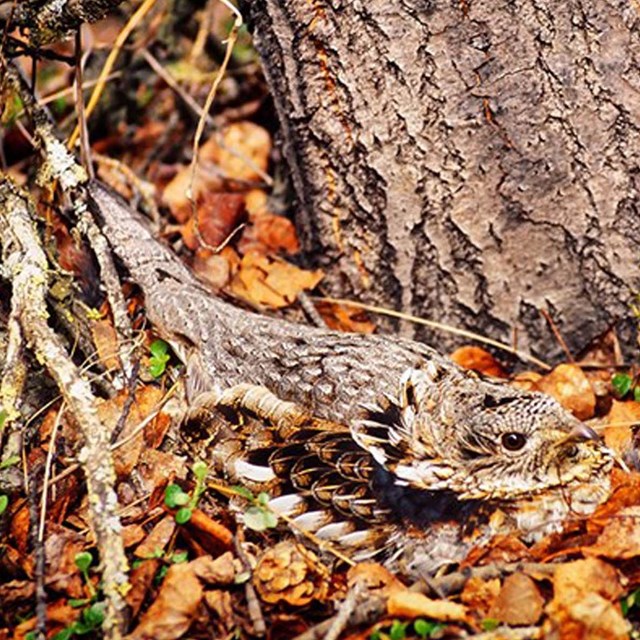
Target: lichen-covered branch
27,265
49,20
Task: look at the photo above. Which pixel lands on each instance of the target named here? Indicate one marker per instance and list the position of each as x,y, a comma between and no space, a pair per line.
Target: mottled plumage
407,478
369,440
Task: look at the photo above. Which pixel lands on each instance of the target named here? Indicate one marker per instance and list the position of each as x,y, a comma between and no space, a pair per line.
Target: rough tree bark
471,161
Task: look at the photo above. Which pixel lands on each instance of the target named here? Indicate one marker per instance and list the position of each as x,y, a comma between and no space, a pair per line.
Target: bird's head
449,429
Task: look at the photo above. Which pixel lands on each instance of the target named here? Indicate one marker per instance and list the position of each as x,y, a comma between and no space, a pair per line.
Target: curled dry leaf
291,573
175,608
527,380
478,359
269,233
408,604
568,384
146,400
585,602
141,580
212,536
625,492
106,340
216,268
519,601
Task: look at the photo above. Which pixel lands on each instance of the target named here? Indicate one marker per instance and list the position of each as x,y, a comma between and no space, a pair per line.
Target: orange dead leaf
408,604
211,535
479,595
274,284
235,154
269,233
221,571
568,384
585,602
147,399
345,318
617,436
106,340
478,359
625,492
527,380
158,539
519,601
375,577
620,538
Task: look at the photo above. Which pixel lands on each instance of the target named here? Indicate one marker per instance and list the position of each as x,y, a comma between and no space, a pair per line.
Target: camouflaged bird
375,436
402,480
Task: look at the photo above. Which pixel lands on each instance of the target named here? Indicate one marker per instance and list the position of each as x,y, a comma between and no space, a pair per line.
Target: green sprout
176,498
159,350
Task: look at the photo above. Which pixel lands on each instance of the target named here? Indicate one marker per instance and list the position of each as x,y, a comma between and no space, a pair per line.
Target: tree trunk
474,162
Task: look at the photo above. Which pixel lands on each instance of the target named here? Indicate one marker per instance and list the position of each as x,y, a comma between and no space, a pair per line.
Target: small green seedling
176,498
623,384
398,630
630,602
258,515
90,621
490,624
4,503
83,561
159,350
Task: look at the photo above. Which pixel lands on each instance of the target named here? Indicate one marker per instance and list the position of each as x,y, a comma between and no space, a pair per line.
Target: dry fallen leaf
375,578
341,317
585,602
519,601
568,384
218,571
147,400
618,430
479,595
234,154
106,340
158,538
175,607
408,604
274,284
620,538
218,216
478,359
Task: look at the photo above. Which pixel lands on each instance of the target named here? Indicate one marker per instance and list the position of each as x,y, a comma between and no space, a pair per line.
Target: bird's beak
583,433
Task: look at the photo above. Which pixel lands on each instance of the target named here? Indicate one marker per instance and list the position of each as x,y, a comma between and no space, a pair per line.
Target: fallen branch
27,267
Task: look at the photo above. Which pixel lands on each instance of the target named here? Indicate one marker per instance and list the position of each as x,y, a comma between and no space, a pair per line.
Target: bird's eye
513,441
572,451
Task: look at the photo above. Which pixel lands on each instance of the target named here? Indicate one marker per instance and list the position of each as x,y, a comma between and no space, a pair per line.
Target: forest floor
200,568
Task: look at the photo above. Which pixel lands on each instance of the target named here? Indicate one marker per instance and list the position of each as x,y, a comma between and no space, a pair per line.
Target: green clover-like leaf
259,518
174,496
83,561
183,515
621,383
